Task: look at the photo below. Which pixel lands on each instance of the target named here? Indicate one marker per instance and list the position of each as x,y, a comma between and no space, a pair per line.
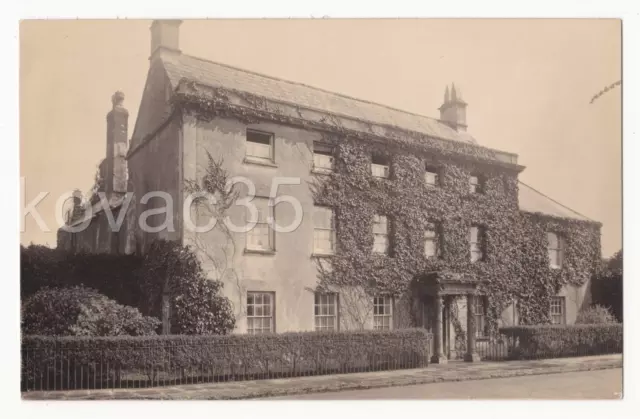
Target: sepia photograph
320,209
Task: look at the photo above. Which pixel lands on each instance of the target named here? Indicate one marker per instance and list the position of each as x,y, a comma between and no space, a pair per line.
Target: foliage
548,341
239,356
80,311
606,287
595,315
196,305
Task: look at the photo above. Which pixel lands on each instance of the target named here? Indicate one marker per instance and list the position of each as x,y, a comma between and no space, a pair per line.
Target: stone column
438,356
471,355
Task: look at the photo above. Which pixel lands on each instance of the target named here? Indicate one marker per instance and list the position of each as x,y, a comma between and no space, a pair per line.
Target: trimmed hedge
105,362
557,341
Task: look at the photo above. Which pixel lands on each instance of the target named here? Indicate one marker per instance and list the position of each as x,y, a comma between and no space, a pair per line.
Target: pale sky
528,83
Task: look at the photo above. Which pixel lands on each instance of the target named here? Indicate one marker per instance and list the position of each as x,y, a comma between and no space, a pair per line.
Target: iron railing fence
47,369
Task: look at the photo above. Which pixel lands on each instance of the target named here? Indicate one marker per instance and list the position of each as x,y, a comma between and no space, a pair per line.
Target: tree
606,288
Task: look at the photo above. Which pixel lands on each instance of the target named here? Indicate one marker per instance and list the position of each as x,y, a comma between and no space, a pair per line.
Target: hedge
556,341
121,361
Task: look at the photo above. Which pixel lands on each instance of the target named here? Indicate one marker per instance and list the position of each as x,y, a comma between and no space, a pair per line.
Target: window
260,312
555,248
382,312
261,236
379,166
432,241
323,231
259,146
326,311
322,158
477,243
431,176
476,184
557,310
380,234
480,313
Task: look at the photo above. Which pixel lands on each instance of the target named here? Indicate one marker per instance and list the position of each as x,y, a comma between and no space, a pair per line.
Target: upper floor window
431,176
379,166
477,242
323,231
380,234
476,184
260,312
325,311
555,247
322,158
432,241
259,146
557,310
261,237
382,312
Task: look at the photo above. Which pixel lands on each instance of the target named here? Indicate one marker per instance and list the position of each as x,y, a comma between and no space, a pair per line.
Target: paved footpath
454,371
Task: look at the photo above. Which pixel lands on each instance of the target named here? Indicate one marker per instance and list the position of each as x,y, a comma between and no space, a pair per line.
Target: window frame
385,167
431,169
480,316
562,315
271,232
559,250
385,298
385,235
436,239
480,243
259,159
317,306
322,149
331,229
271,316
479,186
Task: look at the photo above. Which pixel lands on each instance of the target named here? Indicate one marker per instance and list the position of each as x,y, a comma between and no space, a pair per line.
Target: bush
80,311
555,341
179,358
595,315
606,287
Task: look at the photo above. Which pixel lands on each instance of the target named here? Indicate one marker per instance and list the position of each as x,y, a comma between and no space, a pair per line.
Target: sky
528,84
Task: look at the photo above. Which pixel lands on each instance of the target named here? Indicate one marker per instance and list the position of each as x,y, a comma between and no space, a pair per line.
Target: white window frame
433,238
259,157
558,250
319,231
558,310
382,312
477,243
380,170
325,311
323,159
480,315
380,236
256,317
260,225
476,184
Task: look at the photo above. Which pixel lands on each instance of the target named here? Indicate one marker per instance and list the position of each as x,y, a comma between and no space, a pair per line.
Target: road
600,384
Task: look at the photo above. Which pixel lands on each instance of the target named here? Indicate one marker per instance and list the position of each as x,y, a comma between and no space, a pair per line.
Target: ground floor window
480,313
260,309
326,311
557,310
382,312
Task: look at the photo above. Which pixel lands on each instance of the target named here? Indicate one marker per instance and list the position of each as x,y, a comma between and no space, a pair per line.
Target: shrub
555,341
180,358
606,287
79,311
596,314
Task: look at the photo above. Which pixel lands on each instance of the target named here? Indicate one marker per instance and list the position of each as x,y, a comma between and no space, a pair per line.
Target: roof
531,200
179,66
213,74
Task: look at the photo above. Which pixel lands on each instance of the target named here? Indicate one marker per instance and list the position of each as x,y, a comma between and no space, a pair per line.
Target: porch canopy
442,284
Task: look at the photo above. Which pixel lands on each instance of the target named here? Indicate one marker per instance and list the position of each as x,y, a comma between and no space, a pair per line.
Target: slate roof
182,66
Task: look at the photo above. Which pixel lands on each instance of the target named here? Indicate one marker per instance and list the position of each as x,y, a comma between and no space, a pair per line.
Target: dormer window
379,166
322,158
431,176
259,146
476,184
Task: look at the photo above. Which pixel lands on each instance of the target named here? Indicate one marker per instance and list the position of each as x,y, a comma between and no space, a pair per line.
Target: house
386,218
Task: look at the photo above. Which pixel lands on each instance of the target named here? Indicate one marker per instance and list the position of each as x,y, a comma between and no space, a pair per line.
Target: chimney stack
115,172
165,36
453,111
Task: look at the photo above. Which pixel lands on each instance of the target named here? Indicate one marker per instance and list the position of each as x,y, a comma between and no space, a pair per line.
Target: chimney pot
453,111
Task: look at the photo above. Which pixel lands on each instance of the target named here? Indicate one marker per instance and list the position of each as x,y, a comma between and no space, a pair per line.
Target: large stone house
406,220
